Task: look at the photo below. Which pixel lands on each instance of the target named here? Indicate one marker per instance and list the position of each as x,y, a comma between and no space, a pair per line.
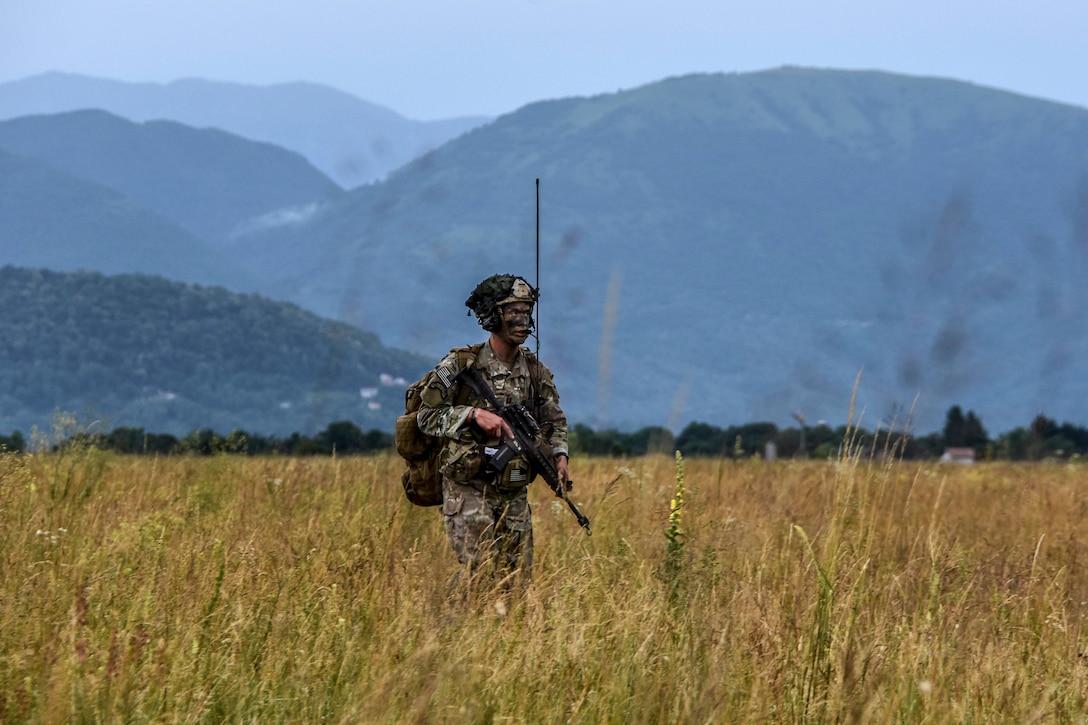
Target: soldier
487,514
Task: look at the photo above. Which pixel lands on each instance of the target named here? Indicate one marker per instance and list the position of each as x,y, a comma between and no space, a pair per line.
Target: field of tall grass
235,589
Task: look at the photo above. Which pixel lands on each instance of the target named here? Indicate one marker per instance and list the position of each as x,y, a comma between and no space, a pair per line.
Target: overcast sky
431,59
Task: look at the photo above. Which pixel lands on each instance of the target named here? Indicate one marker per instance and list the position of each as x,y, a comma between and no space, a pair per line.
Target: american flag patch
443,374
518,475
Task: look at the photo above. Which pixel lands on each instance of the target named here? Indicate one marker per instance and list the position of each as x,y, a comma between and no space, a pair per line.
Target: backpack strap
534,381
465,355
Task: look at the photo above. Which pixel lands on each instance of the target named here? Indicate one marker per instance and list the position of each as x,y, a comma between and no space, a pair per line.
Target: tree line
1043,438
341,437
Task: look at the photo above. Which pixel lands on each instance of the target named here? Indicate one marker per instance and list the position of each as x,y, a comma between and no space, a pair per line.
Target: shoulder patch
444,375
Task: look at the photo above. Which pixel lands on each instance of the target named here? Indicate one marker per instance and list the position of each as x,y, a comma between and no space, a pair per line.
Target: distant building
958,455
387,379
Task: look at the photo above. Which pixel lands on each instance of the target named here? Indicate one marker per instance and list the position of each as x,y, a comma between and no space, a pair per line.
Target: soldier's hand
562,467
491,423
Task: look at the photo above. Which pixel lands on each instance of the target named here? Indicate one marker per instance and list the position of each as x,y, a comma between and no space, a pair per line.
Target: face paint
517,322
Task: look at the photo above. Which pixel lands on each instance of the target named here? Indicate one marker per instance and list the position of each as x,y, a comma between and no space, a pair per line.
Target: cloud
287,216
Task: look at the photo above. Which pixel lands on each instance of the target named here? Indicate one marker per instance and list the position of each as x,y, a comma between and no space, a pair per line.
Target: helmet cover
497,290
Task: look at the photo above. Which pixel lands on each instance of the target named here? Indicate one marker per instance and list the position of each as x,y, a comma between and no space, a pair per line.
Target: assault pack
422,480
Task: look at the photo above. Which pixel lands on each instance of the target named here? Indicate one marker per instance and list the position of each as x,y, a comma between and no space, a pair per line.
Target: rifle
523,443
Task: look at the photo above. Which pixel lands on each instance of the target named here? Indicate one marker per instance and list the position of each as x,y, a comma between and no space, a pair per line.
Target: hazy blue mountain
51,219
349,139
142,351
210,182
731,248
718,248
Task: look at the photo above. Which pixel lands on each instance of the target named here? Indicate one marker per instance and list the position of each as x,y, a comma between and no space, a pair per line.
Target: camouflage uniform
487,514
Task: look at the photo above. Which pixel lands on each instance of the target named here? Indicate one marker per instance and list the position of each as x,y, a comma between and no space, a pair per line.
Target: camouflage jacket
446,406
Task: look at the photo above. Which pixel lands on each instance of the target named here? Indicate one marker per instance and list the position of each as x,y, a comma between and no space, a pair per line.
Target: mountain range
724,248
730,248
51,219
350,140
207,181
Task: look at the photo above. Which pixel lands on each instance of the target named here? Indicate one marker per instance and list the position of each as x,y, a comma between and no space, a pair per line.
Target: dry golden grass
237,589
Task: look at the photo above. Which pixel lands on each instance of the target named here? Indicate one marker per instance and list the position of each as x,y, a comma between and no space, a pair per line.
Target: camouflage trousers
489,528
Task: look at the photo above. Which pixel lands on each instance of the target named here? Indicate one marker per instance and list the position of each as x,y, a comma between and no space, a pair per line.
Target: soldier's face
517,322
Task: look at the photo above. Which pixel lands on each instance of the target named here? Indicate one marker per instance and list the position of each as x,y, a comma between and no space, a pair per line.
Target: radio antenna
537,311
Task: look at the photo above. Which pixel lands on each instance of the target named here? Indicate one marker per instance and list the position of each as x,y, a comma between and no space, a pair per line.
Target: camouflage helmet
494,292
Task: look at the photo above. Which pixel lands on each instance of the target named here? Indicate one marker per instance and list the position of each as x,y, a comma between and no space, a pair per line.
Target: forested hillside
171,358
